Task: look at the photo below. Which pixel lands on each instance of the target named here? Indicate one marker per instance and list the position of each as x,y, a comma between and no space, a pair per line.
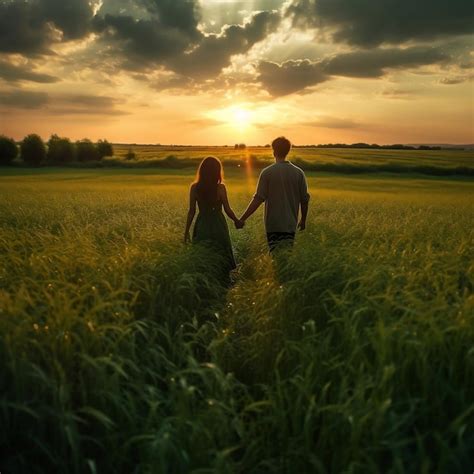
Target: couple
282,186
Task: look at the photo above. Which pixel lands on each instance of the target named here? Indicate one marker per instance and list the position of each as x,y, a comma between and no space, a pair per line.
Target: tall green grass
121,349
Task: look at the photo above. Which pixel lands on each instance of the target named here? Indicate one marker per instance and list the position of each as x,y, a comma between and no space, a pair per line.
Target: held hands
239,224
302,225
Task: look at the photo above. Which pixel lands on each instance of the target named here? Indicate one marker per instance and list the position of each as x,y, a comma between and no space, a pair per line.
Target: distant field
121,350
349,161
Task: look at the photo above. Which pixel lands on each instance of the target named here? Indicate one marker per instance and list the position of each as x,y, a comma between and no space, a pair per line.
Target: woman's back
206,202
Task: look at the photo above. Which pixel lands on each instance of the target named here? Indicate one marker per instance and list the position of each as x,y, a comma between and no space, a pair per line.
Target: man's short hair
281,147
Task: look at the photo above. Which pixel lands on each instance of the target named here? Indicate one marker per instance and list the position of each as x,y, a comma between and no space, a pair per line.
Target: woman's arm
225,203
191,212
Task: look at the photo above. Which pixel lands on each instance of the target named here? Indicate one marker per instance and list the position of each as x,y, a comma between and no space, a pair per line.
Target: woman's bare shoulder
193,189
221,189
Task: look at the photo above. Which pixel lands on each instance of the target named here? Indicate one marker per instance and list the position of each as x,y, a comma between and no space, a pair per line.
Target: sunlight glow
241,118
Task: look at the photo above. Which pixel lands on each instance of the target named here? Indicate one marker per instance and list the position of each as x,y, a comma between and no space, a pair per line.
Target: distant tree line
56,151
374,146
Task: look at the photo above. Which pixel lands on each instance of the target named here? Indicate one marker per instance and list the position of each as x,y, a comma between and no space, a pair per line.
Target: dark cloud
72,17
290,76
22,30
20,99
66,104
374,22
179,14
31,27
85,104
214,52
450,81
85,100
136,35
170,38
372,63
168,28
11,73
294,76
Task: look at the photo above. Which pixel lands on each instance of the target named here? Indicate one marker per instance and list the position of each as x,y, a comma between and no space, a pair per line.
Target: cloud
156,31
290,76
373,63
216,14
63,104
172,82
374,22
205,122
30,28
12,73
296,76
214,51
133,35
450,81
332,122
20,99
72,17
397,93
85,104
20,30
178,45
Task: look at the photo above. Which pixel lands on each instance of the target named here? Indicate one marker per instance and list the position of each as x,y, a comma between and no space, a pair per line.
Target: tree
86,151
33,150
130,155
8,150
60,150
105,148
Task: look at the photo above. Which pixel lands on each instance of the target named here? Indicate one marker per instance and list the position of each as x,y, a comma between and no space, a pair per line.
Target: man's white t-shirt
283,187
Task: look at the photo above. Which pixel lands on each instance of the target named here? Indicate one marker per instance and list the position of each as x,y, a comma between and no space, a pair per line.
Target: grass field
444,158
121,351
339,160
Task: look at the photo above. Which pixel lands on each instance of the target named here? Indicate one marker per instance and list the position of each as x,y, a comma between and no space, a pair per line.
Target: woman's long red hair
209,175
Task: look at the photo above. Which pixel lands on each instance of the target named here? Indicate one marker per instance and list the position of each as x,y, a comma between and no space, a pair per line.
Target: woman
211,196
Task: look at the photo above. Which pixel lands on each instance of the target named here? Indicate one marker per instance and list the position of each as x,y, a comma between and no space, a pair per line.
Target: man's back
283,187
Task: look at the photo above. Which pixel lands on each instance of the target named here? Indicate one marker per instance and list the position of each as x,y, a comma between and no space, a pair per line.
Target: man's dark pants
280,239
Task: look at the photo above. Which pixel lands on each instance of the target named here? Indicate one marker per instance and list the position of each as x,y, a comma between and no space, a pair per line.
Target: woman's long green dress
211,228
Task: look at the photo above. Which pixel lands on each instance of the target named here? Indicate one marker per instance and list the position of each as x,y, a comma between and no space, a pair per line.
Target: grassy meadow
336,160
122,351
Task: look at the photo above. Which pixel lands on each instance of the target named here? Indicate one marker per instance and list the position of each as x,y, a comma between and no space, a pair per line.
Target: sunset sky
226,71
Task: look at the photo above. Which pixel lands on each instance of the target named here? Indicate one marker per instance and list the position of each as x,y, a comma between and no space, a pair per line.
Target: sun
240,117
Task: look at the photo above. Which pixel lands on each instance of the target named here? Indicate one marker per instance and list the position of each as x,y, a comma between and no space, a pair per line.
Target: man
283,188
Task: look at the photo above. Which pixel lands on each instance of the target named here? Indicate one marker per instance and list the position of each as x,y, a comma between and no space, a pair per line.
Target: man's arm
252,207
304,203
259,197
304,212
